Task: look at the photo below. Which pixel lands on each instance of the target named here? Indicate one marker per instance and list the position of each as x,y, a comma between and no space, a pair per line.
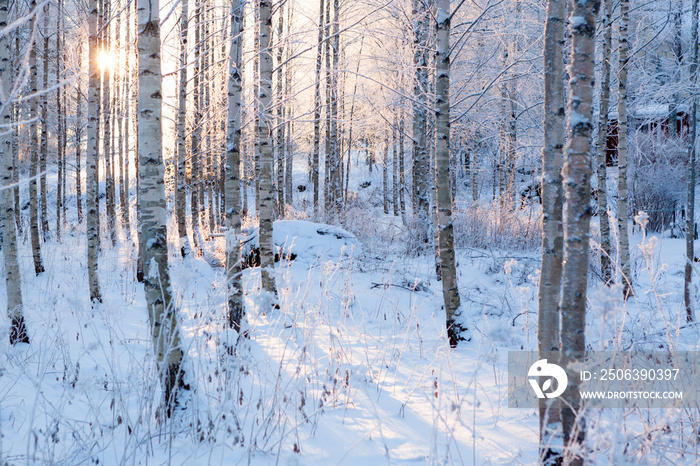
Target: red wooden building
656,119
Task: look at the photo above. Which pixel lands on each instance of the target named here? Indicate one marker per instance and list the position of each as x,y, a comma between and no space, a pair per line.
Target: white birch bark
236,310
450,292
605,258
78,130
91,201
161,310
13,279
267,248
34,146
692,155
317,109
622,215
552,200
107,128
421,162
577,215
43,154
181,192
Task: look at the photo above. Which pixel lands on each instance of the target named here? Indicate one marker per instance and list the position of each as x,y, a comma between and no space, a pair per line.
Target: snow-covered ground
353,369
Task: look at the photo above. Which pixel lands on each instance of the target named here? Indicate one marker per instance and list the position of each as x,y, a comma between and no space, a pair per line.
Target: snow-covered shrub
658,181
484,226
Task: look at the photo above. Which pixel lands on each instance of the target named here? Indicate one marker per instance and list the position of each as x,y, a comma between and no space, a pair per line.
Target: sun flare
105,60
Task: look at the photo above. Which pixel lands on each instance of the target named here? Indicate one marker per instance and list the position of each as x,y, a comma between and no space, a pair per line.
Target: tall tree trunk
402,162
329,98
154,237
281,104
34,145
289,148
394,167
236,309
552,201
421,162
107,126
336,163
61,133
605,257
79,138
15,159
195,138
43,155
181,192
127,125
13,279
385,172
577,215
692,151
267,248
622,216
256,105
455,331
92,201
208,168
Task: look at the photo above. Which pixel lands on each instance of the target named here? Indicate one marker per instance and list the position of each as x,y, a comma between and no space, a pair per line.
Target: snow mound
307,240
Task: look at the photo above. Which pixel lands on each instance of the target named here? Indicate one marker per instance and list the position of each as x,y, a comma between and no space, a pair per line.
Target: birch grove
254,213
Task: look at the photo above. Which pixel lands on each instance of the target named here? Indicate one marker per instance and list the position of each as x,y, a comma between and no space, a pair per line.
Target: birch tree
154,245
106,108
622,216
577,214
605,257
13,279
91,201
448,268
421,162
690,208
552,200
43,143
34,146
236,310
181,192
266,197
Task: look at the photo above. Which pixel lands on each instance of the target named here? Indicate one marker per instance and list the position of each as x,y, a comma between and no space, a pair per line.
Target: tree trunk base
18,331
173,383
455,333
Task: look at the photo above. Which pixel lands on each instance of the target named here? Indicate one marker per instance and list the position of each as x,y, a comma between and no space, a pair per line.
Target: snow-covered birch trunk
236,311
421,161
13,279
196,133
127,125
577,174
60,149
91,200
107,129
78,131
267,248
605,258
280,114
34,146
552,201
692,152
317,109
622,215
448,267
181,193
154,238
43,154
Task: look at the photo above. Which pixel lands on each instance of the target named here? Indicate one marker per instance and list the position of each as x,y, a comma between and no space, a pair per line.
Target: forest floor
353,369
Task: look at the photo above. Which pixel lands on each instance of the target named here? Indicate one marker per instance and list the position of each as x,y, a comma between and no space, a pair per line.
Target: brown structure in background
651,119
